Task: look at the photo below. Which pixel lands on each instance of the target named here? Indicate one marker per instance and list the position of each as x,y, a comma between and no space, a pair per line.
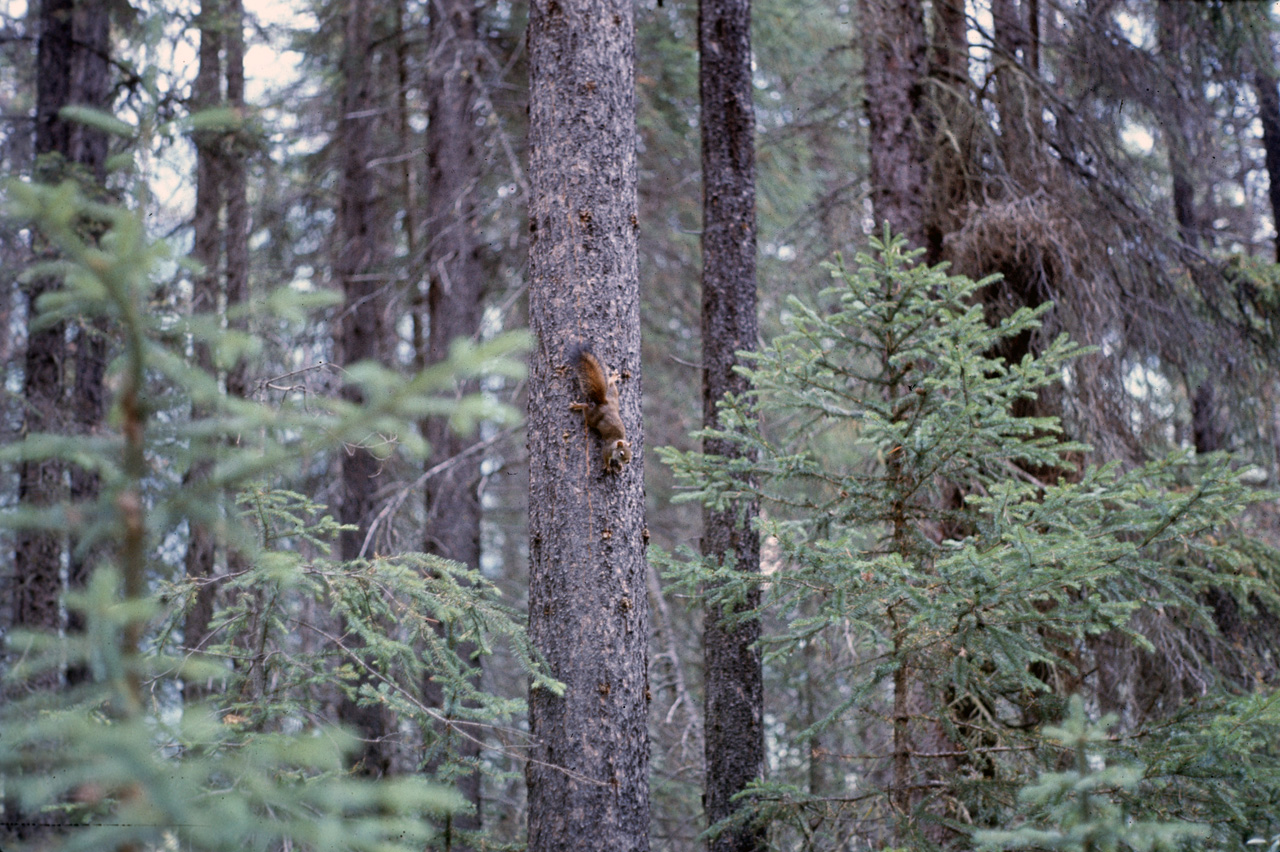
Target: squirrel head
617,455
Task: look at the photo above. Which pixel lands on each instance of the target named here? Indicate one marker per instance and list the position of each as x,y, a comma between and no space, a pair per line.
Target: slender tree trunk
895,58
92,31
1170,32
207,251
91,81
950,57
71,68
236,245
588,610
38,555
734,723
1269,115
222,249
1016,55
951,174
363,330
454,302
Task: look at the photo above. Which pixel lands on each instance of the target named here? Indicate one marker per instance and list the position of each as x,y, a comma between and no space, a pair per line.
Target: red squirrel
602,409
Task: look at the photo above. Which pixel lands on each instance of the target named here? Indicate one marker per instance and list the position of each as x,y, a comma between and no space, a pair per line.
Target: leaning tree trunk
588,609
362,330
454,305
734,724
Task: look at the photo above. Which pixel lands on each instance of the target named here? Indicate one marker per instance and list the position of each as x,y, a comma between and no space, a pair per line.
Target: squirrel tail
591,376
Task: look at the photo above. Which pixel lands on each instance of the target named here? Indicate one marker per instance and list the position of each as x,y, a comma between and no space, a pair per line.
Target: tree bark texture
236,247
207,250
72,68
454,303
1015,95
91,84
895,58
734,732
588,608
361,245
221,244
362,327
1269,115
456,275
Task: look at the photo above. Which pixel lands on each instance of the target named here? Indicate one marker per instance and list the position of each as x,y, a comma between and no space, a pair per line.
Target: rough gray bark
588,608
454,302
362,327
895,59
734,728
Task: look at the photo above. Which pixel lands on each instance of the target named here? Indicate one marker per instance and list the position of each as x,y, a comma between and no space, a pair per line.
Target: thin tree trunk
71,68
1016,55
37,554
1269,115
588,610
895,58
207,251
363,329
734,727
236,246
92,81
454,302
951,173
1170,29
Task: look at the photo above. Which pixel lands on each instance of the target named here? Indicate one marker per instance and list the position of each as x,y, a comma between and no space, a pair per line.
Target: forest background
265,545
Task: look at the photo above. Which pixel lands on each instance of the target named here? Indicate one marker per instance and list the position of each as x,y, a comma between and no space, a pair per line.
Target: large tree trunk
363,329
895,59
734,726
588,610
454,305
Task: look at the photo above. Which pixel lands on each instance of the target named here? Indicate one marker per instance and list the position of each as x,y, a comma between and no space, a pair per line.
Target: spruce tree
957,557
118,755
